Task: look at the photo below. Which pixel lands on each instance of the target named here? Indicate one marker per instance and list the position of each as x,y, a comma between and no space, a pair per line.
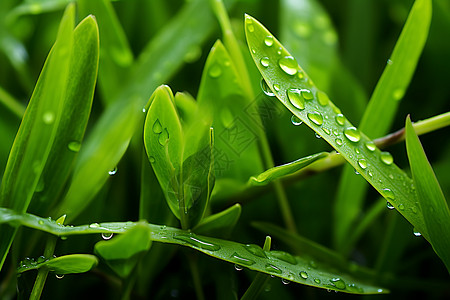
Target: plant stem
43,272
196,276
12,104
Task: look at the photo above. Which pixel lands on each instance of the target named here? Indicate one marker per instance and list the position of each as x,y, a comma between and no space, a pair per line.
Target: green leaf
122,253
381,110
297,92
35,7
284,170
220,222
66,264
431,199
38,130
115,56
277,263
76,110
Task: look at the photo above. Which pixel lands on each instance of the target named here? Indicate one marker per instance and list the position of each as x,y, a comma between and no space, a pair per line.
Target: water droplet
272,269
317,135
316,118
303,275
264,62
352,134
340,119
48,117
388,194
389,62
370,146
296,120
284,256
41,259
276,87
307,94
356,172
241,260
398,94
338,141
157,128
362,163
151,159
238,267
163,137
41,222
386,158
357,151
289,65
59,276
250,25
197,242
215,70
401,207
414,209
326,130
296,99
338,283
391,176
300,75
285,281
74,146
112,172
94,225
144,110
302,29
268,41
266,89
255,250
416,232
389,205
317,280
323,98
107,235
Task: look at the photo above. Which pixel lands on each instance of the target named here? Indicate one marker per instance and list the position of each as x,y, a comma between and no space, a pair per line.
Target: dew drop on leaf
338,283
273,269
303,275
112,172
264,62
370,146
289,65
338,141
238,267
388,194
362,163
389,205
157,128
41,222
266,89
59,276
317,280
268,41
416,232
255,250
94,225
317,135
386,158
296,120
284,256
323,98
307,94
241,260
276,87
163,137
48,117
285,281
197,242
340,119
151,159
215,70
316,118
352,134
401,207
250,25
296,99
74,146
107,235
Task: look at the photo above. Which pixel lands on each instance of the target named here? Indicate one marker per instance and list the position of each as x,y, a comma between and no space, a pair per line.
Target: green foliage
195,149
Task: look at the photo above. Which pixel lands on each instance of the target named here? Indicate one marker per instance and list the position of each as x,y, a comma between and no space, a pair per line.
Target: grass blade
66,264
298,93
380,112
434,206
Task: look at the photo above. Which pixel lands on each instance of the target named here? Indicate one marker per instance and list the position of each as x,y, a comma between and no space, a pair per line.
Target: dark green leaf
220,222
67,264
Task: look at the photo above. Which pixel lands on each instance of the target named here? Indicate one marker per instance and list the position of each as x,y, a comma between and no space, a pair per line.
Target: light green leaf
284,170
35,7
37,132
277,263
220,222
297,92
381,110
122,253
66,264
431,199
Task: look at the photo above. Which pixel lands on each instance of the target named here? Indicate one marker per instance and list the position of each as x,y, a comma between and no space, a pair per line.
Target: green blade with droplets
275,263
292,86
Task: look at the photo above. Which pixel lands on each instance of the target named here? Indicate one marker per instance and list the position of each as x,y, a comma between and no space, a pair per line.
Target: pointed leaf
219,222
66,264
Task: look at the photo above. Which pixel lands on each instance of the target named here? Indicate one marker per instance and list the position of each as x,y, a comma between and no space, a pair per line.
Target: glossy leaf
220,222
66,264
381,110
37,132
297,92
277,263
431,199
123,252
284,170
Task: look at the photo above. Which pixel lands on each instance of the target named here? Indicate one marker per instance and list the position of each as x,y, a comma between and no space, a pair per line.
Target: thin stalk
263,145
43,272
196,277
11,103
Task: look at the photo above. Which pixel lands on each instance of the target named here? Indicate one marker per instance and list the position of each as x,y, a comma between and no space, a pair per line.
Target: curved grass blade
38,129
284,170
66,264
220,222
277,263
381,110
298,93
431,199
